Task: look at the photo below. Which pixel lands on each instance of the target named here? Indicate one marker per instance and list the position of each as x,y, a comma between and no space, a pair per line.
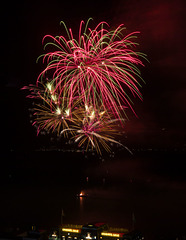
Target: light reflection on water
135,188
160,212
154,207
114,209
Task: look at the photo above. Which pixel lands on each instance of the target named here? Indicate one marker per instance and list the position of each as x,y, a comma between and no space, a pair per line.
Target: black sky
161,115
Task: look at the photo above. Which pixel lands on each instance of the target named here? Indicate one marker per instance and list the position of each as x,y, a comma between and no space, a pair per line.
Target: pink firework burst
87,84
100,67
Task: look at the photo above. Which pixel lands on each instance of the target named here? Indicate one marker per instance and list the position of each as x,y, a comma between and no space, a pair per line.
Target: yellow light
92,115
49,86
67,111
101,113
54,98
58,111
88,236
110,234
70,230
86,107
116,235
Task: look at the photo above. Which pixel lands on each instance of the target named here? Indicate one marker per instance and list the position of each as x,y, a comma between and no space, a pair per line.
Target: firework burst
91,81
94,128
100,67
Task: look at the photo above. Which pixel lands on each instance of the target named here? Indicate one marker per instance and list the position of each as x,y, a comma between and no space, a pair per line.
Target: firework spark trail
100,57
94,129
86,85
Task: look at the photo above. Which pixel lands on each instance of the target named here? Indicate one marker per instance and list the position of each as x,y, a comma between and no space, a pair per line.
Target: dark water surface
146,190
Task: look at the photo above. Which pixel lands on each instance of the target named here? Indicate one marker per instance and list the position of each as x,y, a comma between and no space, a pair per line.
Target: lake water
147,191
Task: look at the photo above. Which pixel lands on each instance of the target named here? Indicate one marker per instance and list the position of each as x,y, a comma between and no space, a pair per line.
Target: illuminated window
70,230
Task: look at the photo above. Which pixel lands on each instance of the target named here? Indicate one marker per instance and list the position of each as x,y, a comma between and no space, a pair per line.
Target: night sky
160,124
161,115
